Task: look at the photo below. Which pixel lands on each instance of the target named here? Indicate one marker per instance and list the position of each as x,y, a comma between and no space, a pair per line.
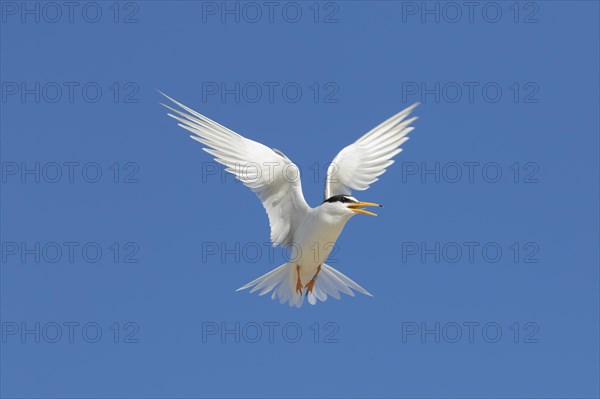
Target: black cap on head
341,198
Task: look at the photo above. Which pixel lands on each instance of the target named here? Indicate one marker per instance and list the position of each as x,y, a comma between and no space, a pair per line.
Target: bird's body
315,238
309,233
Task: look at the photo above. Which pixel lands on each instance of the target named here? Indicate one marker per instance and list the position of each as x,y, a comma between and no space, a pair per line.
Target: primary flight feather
294,224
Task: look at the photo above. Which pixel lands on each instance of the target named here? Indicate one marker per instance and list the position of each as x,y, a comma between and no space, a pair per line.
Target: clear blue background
171,212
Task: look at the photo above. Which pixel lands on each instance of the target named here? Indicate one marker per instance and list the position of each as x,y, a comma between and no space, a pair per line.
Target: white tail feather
282,281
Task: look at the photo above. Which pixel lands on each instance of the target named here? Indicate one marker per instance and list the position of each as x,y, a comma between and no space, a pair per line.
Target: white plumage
357,166
294,224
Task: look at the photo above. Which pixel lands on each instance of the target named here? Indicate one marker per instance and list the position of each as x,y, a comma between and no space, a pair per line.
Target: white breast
315,238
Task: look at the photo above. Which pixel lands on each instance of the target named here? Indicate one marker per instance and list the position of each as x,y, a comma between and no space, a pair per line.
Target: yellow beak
356,208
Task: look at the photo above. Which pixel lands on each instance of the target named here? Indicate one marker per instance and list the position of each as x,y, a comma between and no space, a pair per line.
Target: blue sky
122,242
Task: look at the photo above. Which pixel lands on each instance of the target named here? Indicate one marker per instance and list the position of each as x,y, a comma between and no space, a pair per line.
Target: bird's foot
298,282
310,285
299,287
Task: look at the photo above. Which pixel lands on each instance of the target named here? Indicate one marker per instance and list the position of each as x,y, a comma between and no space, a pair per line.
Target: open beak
356,207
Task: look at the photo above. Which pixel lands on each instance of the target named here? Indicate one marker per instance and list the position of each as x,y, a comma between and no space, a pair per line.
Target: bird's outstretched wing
267,172
358,165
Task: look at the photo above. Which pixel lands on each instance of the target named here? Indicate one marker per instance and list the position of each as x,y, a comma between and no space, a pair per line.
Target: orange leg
298,282
312,281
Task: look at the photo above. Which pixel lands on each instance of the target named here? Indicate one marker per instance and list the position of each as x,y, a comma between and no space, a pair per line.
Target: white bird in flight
294,224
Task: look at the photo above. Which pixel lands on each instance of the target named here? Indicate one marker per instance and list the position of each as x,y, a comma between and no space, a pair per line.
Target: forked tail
282,281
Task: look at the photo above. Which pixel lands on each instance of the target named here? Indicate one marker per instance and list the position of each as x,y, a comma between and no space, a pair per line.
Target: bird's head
348,205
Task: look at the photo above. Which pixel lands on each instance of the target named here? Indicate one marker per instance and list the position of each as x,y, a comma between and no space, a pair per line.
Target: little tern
294,224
